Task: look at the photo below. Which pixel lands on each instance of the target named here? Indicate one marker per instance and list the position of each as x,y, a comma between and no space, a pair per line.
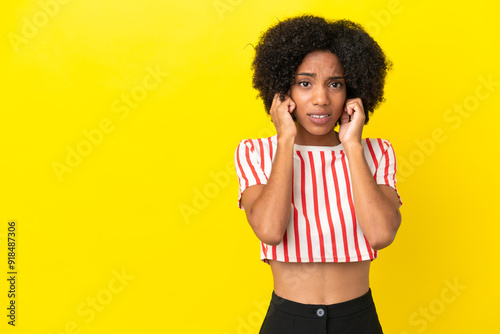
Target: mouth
319,116
319,119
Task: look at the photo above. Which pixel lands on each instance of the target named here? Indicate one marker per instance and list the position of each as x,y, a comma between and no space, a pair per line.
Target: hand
350,130
281,114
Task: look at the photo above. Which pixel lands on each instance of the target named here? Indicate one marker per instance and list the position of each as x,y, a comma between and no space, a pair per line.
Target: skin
319,89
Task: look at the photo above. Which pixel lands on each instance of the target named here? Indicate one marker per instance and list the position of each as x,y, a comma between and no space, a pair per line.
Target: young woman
322,202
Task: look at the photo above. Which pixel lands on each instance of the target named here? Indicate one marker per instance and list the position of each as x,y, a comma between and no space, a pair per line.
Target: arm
268,206
377,206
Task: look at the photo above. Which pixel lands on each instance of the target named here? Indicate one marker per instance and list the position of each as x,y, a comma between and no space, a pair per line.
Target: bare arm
268,206
377,206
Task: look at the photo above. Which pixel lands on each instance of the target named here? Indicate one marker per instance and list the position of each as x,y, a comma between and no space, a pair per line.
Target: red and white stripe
323,225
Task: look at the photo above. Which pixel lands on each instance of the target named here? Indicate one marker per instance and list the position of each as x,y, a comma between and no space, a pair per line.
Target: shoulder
258,144
376,145
375,142
377,150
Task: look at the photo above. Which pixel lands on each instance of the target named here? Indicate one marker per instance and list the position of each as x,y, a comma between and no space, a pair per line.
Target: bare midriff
320,283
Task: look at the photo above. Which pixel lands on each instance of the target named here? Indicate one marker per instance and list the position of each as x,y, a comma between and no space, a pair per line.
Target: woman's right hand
281,114
267,206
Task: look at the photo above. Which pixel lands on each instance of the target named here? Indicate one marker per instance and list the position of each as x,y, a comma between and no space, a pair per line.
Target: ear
293,112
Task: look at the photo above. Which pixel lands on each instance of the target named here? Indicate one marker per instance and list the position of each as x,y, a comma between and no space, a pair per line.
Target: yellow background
154,199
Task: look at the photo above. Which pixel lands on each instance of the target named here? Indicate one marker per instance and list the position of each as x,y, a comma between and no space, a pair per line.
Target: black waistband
331,311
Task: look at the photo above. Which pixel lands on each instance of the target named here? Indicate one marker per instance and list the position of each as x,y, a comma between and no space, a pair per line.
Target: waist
320,283
341,309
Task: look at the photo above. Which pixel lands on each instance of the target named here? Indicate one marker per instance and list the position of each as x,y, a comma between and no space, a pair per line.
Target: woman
322,202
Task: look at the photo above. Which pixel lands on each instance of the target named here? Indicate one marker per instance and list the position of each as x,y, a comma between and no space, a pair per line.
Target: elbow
269,234
384,238
270,237
269,230
381,242
271,240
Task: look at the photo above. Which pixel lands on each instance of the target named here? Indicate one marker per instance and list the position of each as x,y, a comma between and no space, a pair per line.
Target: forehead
321,62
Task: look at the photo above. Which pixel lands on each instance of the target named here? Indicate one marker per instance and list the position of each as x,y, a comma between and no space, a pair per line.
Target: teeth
319,116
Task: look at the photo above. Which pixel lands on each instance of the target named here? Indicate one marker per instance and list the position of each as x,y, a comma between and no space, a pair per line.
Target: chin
320,130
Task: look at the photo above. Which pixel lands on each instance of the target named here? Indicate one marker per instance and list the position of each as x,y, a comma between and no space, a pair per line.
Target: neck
305,138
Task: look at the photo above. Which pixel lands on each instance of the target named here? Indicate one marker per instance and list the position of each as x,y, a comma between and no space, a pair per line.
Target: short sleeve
387,167
248,167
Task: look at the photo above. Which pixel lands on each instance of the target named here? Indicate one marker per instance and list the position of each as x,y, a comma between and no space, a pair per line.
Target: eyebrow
314,75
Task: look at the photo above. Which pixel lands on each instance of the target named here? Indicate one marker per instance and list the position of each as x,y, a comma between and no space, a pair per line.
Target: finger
352,107
291,105
344,118
276,98
284,108
275,104
288,101
349,109
356,112
283,103
357,103
280,99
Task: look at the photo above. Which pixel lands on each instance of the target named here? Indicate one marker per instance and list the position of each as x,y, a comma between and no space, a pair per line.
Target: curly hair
282,48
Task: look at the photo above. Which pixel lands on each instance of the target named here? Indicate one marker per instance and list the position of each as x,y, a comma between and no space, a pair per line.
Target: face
319,93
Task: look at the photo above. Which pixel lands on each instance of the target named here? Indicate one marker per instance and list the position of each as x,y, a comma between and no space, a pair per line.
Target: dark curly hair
282,48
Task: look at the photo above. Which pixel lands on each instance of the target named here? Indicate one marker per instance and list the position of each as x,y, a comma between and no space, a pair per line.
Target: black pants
354,316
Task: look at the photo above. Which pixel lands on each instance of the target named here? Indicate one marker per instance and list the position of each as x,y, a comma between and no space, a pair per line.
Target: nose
320,96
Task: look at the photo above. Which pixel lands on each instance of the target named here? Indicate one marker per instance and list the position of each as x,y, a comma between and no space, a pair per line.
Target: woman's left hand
350,130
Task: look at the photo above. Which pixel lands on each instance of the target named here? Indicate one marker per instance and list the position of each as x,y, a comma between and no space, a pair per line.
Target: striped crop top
322,225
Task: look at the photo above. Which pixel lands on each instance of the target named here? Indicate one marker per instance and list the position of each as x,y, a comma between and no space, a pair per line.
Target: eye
336,84
304,84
